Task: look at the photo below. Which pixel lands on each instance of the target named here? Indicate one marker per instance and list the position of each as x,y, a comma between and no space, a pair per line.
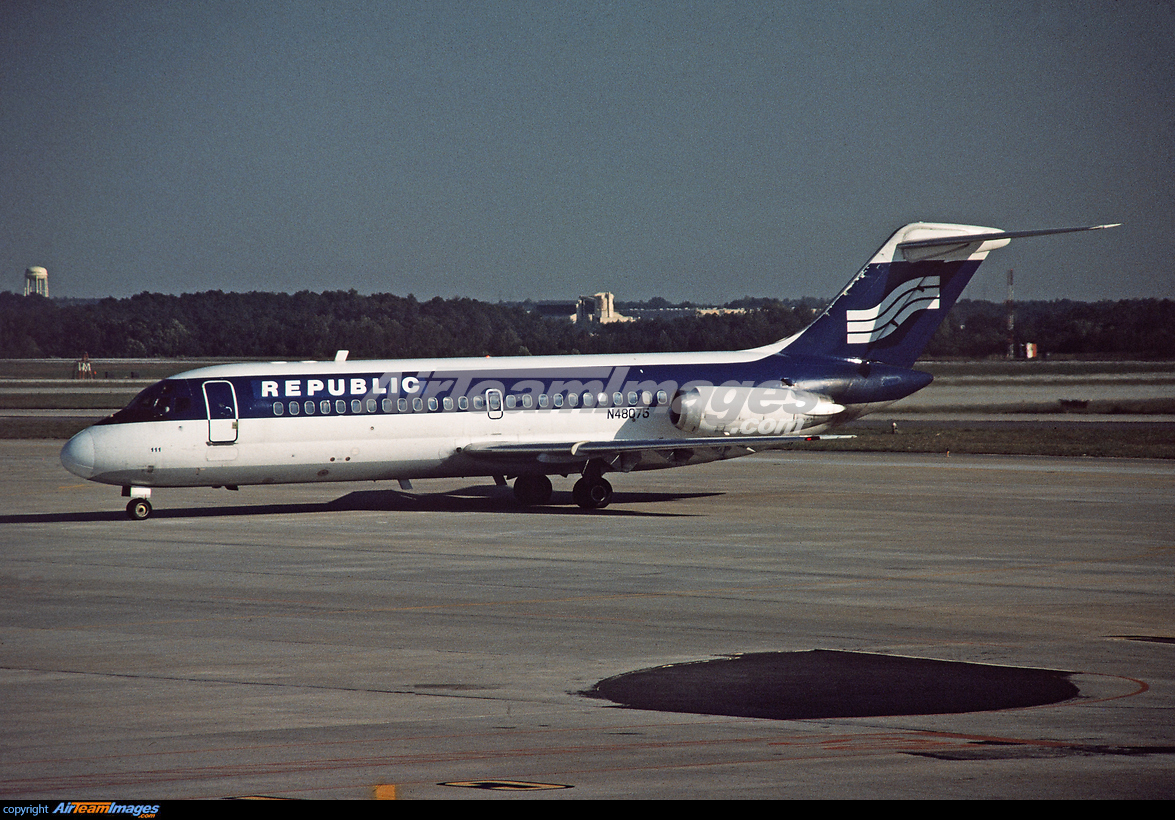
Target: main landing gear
532,490
591,492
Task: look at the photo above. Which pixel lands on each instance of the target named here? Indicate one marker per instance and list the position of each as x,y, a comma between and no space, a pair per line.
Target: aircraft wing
571,451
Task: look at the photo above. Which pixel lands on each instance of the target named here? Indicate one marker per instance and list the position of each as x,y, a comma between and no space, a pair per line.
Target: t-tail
889,311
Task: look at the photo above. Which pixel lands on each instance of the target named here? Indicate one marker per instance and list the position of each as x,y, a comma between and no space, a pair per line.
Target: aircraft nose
77,455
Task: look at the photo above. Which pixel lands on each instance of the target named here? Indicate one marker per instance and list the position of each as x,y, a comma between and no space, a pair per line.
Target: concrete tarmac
357,641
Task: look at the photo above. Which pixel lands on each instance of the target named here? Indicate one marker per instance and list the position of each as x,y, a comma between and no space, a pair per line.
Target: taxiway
355,641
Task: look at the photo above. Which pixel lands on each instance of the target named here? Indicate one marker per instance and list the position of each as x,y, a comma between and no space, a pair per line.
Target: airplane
531,417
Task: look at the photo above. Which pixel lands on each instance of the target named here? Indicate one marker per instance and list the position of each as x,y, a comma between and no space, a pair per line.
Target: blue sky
512,150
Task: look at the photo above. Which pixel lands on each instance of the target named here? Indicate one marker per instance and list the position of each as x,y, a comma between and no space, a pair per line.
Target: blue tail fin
889,311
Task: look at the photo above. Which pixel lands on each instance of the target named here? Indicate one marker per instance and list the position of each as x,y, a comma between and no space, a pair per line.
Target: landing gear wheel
532,490
138,509
592,493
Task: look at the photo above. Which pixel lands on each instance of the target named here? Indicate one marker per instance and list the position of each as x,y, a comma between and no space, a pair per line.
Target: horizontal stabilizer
959,239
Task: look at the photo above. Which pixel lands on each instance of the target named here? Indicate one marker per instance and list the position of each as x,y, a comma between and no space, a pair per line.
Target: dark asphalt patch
829,684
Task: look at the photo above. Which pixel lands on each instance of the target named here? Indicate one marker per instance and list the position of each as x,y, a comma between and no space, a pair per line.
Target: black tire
532,490
592,493
138,509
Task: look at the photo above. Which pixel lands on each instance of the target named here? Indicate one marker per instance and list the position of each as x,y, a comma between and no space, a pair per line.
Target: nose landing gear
138,509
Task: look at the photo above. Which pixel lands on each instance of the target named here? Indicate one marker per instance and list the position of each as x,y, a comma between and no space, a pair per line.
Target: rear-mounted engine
748,411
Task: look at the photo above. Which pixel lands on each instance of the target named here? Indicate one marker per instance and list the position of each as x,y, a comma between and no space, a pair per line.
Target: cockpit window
159,402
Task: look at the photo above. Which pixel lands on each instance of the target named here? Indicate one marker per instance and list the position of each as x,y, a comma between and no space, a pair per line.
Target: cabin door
222,412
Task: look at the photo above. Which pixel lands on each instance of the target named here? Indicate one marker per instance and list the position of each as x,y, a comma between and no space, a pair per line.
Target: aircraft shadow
476,498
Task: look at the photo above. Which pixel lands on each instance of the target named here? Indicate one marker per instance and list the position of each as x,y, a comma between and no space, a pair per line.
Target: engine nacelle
747,411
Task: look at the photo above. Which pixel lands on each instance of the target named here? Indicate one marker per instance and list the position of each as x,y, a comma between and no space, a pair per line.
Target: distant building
681,312
553,309
600,309
36,280
716,311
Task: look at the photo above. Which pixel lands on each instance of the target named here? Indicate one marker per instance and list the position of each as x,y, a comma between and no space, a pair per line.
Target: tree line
309,325
1127,329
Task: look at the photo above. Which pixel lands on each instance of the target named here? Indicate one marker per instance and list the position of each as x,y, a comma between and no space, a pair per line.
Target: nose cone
77,455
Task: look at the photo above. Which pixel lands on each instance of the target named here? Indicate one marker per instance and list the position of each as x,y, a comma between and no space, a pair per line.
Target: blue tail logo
902,303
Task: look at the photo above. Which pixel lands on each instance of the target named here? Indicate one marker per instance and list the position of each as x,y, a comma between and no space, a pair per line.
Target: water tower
36,280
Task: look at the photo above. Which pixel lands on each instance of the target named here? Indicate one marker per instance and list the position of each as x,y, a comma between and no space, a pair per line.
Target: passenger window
544,401
294,408
646,398
371,405
462,403
573,399
309,408
527,401
340,407
386,405
402,405
324,406
417,404
356,406
603,399
662,398
433,404
447,403
511,402
589,400
632,398
618,399
557,400
278,408
479,403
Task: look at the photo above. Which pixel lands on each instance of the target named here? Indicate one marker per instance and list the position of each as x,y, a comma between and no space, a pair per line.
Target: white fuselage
412,419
